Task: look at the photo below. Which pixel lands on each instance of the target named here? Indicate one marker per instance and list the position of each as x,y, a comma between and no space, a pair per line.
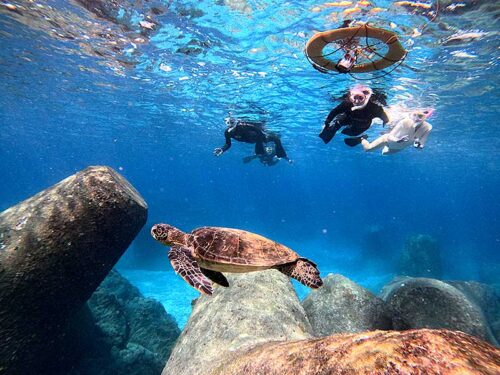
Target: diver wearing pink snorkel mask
413,129
355,114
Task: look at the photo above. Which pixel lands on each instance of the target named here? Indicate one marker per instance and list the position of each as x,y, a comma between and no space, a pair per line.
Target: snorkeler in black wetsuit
251,132
355,113
269,158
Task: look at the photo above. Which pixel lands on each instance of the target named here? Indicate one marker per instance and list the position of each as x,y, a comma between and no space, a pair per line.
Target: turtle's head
168,235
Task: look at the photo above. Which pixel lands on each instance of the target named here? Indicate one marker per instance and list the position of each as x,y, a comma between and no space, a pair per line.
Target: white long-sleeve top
406,128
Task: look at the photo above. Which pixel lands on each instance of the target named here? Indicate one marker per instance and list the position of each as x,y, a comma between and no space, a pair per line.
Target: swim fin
352,142
248,159
328,133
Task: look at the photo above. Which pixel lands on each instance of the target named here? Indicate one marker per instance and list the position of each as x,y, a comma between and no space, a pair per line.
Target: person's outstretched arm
220,150
335,112
422,134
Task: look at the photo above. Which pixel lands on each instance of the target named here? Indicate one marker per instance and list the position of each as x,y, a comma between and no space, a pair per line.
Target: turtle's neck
179,238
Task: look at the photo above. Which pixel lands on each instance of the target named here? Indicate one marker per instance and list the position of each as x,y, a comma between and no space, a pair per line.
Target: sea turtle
201,256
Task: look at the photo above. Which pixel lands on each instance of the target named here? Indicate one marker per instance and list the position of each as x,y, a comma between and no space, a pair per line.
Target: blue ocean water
87,90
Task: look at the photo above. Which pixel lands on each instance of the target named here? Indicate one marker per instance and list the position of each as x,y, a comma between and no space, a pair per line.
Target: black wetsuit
268,159
356,122
250,133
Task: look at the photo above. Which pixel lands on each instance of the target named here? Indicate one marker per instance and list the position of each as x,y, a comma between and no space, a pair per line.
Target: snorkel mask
420,115
359,96
230,121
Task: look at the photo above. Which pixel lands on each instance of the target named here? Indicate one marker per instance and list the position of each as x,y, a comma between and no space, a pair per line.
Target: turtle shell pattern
239,247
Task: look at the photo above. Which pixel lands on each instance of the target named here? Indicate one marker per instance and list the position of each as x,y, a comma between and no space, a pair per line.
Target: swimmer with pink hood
354,115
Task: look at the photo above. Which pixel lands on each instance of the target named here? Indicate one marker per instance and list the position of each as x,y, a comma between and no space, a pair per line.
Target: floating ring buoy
315,45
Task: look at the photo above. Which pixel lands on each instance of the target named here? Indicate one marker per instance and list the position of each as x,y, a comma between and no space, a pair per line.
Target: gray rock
429,303
151,327
486,297
55,249
421,257
109,318
342,306
129,334
256,308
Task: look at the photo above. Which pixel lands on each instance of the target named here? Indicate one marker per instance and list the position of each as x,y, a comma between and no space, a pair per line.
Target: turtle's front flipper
184,265
215,276
304,271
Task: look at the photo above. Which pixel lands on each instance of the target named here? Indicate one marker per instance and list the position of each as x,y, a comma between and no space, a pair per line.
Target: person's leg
278,147
376,144
259,148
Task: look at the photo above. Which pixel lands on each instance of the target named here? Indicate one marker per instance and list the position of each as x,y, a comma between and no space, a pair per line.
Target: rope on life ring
315,45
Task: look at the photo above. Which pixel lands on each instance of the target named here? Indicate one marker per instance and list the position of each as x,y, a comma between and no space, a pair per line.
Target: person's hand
218,151
418,145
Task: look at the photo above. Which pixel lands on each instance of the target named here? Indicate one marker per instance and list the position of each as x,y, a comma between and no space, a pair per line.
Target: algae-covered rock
55,249
429,352
130,334
257,307
421,257
342,306
430,303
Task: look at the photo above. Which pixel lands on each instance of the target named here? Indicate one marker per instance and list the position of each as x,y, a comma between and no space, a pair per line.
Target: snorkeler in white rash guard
411,129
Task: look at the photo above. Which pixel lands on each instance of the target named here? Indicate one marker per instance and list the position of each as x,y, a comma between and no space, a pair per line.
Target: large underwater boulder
430,303
421,257
257,307
342,306
429,352
55,249
486,297
129,334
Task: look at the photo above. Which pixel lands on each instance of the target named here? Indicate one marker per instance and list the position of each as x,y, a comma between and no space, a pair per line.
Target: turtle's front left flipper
216,277
184,265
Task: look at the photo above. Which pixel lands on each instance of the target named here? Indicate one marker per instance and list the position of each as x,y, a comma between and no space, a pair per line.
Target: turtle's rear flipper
184,265
216,277
304,271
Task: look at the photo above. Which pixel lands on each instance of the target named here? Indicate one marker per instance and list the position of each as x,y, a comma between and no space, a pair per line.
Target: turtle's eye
366,92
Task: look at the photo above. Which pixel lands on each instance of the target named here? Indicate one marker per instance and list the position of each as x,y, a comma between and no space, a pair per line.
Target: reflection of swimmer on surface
356,112
412,129
251,132
269,158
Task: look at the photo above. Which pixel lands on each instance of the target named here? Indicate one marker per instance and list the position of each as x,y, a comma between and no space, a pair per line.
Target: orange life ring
315,45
